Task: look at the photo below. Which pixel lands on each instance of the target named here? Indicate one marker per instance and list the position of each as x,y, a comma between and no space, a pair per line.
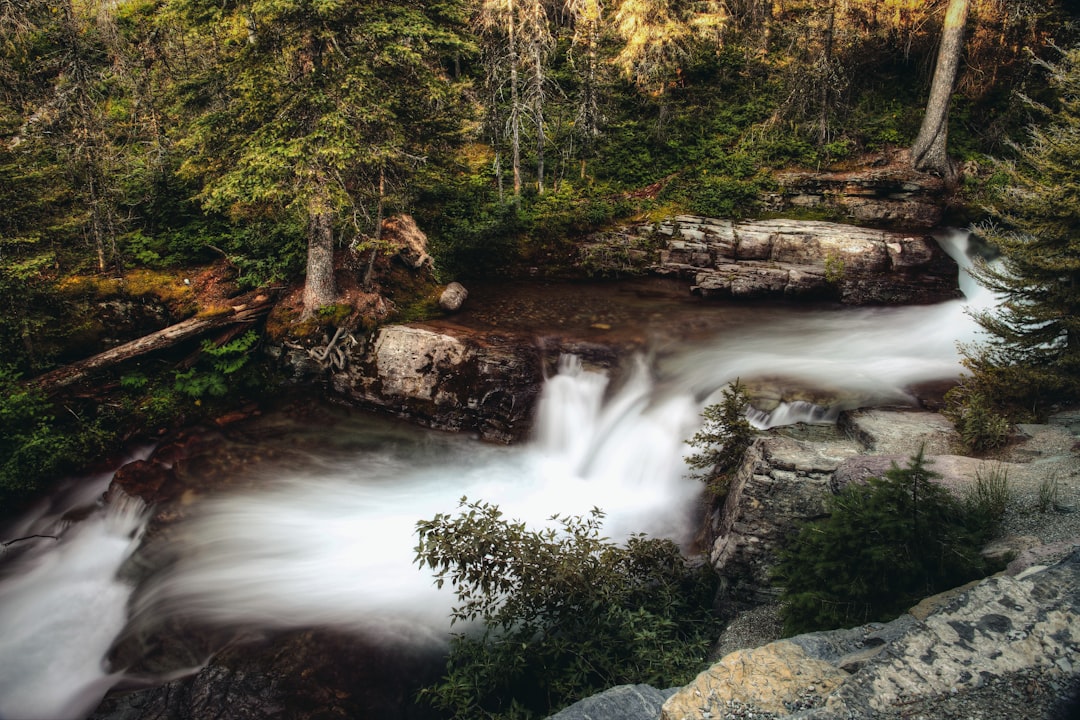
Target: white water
333,546
62,605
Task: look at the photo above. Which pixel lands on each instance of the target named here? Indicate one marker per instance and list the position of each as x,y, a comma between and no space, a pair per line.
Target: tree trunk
378,228
319,287
929,151
515,105
538,100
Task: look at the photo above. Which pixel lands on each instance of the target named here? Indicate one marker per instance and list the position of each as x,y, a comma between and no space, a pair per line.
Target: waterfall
61,607
332,545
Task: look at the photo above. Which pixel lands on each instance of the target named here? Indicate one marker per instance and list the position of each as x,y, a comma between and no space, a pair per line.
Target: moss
167,288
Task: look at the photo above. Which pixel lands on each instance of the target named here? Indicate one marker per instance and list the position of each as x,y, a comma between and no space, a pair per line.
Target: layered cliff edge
1005,647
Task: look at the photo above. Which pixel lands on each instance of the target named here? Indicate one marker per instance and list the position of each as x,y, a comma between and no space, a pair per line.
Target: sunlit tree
929,151
517,44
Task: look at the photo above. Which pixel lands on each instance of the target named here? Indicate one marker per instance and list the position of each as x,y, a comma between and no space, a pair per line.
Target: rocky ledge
780,258
1006,647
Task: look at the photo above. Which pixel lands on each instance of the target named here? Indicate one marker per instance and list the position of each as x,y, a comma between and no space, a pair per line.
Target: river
327,538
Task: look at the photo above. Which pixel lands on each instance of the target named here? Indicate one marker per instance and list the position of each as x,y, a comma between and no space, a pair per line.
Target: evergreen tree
305,108
1033,355
885,546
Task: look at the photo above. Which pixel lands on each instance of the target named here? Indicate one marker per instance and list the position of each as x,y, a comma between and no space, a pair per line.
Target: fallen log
160,340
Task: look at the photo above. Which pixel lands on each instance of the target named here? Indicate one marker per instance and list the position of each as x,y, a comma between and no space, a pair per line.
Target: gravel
1044,483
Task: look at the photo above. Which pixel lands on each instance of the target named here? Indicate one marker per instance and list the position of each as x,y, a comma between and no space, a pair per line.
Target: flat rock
770,678
624,702
780,257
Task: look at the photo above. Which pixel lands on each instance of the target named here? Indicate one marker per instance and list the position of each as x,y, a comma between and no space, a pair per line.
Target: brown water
642,311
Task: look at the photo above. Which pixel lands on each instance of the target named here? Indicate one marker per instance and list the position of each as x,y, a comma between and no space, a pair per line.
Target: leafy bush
214,376
722,440
561,613
885,546
32,448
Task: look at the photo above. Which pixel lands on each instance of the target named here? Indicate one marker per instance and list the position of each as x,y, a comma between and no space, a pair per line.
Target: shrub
987,499
562,613
32,448
885,546
213,376
980,426
1049,494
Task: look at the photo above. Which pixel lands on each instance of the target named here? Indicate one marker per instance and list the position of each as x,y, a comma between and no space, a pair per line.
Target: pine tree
885,546
306,109
1033,355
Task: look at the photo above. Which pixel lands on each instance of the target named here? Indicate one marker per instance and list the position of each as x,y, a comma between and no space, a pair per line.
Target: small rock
453,297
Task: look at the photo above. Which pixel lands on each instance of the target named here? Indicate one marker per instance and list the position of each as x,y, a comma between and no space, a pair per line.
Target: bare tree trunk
538,113
827,76
515,105
319,287
929,151
378,228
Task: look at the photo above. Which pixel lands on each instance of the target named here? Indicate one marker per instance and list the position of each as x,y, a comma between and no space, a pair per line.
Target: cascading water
61,604
332,545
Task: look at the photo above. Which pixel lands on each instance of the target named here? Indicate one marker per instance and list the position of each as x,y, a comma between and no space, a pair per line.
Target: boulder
775,258
453,297
624,702
453,382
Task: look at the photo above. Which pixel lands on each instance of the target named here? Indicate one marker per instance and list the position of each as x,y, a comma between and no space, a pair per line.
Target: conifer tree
307,106
1033,354
885,546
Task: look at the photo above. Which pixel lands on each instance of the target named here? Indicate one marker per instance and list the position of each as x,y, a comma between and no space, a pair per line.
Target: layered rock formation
889,194
781,258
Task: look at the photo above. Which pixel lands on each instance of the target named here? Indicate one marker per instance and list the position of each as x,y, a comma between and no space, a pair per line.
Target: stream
327,538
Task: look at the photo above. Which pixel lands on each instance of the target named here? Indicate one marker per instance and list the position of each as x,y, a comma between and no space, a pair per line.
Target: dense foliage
32,445
884,546
174,131
555,614
1032,357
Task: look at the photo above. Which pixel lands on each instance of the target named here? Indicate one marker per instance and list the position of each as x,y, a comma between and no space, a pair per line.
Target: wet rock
464,381
308,675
